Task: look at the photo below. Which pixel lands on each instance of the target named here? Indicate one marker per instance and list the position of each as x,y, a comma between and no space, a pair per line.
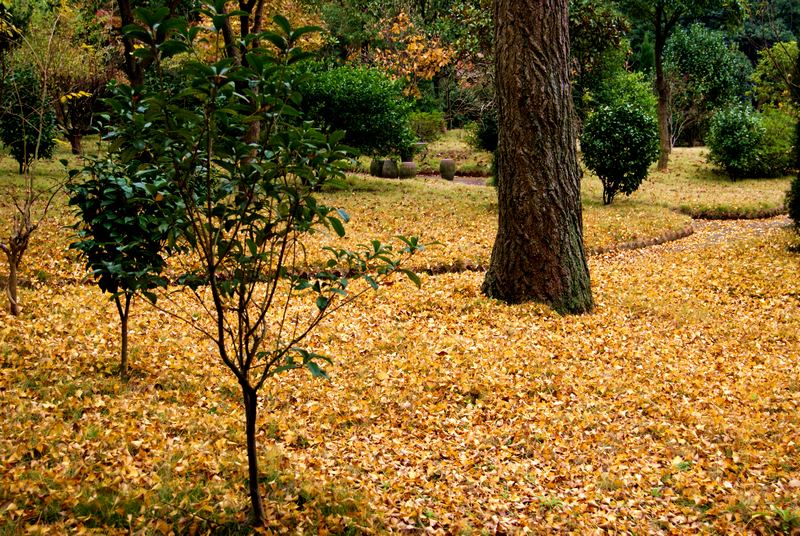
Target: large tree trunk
538,254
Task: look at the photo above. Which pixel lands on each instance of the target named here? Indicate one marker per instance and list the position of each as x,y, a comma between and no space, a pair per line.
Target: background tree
772,77
661,18
705,73
79,71
27,120
538,254
597,48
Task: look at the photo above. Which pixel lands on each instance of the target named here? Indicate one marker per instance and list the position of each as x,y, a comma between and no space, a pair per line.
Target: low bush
619,143
428,126
746,143
779,140
483,132
364,103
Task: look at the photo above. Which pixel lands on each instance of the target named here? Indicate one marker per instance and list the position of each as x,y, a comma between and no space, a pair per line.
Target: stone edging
669,236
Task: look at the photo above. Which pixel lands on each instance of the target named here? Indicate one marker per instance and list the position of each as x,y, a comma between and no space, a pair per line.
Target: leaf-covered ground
674,408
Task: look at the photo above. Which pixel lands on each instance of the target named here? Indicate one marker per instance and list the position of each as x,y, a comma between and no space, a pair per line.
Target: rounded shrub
365,103
619,143
779,141
735,135
484,132
746,143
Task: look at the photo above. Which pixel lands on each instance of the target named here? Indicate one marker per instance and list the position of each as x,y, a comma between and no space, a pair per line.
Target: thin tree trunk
124,311
75,142
13,299
251,414
132,67
662,91
538,254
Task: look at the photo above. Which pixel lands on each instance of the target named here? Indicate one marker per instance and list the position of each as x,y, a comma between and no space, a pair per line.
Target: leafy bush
619,143
632,87
27,120
428,126
365,103
734,137
779,140
746,143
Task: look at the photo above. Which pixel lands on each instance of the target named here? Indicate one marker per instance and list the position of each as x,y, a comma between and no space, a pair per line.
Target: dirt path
711,232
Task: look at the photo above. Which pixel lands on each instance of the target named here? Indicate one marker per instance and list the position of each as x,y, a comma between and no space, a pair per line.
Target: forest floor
673,408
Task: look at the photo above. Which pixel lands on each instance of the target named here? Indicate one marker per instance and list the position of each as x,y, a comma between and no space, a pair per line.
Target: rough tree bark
538,254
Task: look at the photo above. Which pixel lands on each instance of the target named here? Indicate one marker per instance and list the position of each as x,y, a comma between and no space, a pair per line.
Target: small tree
125,224
27,121
248,206
26,126
619,143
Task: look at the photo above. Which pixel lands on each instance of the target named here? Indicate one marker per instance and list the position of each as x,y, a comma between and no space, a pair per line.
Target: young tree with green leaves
247,207
124,228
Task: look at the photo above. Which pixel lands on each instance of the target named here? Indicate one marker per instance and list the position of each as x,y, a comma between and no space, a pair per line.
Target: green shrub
619,143
634,88
364,103
746,143
734,137
428,126
27,120
769,79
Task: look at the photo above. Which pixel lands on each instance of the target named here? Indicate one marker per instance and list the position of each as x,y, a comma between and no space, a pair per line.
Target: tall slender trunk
662,91
538,254
124,311
251,416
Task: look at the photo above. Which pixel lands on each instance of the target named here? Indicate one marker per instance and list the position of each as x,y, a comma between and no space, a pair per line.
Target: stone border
669,236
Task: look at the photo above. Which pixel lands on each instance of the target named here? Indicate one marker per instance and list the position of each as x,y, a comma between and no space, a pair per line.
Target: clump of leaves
619,143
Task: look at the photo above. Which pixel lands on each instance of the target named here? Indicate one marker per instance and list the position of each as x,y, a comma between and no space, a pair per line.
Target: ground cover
673,408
